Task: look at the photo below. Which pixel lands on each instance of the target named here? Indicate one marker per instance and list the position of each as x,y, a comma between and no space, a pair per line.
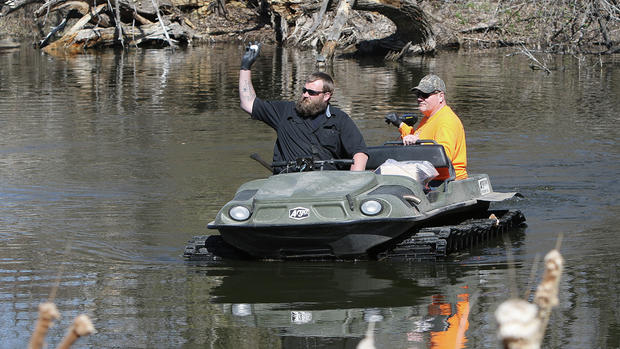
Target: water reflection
335,302
362,285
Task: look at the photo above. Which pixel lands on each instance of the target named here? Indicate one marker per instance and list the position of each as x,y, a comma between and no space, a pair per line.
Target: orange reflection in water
458,323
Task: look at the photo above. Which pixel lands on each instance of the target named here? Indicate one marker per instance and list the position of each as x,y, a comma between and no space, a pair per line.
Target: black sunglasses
424,95
311,92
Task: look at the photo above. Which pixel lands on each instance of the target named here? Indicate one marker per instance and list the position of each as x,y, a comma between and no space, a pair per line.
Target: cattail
522,324
47,314
547,292
82,326
518,324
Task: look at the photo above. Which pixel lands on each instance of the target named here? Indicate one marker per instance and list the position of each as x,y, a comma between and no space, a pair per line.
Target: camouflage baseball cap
430,83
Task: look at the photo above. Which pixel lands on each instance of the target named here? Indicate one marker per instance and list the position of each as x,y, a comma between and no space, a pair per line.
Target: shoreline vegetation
387,28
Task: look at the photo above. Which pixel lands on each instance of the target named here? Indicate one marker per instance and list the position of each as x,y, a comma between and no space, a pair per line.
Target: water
110,162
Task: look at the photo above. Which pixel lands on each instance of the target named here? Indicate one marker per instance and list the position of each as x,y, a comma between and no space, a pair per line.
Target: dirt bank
557,26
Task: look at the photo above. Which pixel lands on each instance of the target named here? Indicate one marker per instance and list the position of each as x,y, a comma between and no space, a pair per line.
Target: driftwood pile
123,23
392,28
323,24
84,24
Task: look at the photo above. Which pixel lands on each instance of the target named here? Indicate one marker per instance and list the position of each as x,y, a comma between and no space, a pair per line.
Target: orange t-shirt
445,128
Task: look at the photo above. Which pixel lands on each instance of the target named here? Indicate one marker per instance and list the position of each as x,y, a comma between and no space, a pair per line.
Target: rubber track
428,243
212,248
431,243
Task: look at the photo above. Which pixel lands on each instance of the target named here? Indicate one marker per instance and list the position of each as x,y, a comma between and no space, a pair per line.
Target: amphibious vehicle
306,212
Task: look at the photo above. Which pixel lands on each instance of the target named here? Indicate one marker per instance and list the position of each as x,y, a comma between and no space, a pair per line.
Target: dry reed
82,326
522,325
47,314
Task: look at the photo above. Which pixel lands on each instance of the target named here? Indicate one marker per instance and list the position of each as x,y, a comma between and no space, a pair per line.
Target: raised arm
246,90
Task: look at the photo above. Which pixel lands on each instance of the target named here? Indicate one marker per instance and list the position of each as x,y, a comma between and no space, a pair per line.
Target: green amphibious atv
310,213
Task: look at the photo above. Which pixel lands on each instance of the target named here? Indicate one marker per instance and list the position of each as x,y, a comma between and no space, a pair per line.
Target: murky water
110,162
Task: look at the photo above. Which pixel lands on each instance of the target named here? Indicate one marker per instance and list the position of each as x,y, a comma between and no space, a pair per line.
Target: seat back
433,153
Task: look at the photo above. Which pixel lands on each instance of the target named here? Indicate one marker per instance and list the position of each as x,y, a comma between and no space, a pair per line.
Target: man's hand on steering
410,139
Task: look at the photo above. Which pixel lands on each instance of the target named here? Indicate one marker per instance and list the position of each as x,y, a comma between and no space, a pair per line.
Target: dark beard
309,108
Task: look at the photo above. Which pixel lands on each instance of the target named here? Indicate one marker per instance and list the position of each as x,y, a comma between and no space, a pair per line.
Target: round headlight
239,213
371,207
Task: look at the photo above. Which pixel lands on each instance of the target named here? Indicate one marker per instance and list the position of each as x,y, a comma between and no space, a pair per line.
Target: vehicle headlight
239,213
371,207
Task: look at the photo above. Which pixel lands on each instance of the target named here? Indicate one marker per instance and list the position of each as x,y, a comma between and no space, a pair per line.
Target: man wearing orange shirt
439,123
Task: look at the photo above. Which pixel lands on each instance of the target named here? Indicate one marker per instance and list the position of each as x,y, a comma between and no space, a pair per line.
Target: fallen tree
333,23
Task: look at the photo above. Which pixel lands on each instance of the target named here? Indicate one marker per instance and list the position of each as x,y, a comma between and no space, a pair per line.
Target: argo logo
299,213
484,185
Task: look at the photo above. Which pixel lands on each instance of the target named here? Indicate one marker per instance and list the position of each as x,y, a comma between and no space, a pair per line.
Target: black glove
395,120
250,55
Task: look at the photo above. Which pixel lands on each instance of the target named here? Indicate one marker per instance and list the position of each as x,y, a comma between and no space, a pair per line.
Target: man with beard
309,127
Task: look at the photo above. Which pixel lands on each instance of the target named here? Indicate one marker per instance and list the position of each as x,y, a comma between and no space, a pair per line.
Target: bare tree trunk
342,14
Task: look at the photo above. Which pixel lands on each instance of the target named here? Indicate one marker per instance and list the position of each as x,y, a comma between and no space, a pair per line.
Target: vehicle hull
342,240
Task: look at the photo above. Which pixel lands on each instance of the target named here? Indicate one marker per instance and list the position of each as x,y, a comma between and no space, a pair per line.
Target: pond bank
549,26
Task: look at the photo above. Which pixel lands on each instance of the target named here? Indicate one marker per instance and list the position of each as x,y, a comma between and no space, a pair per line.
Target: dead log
117,20
105,37
87,17
481,27
141,20
342,15
163,26
124,23
54,30
319,19
71,8
46,7
79,6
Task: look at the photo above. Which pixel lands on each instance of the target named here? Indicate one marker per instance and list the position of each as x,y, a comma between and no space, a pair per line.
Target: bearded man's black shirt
330,135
